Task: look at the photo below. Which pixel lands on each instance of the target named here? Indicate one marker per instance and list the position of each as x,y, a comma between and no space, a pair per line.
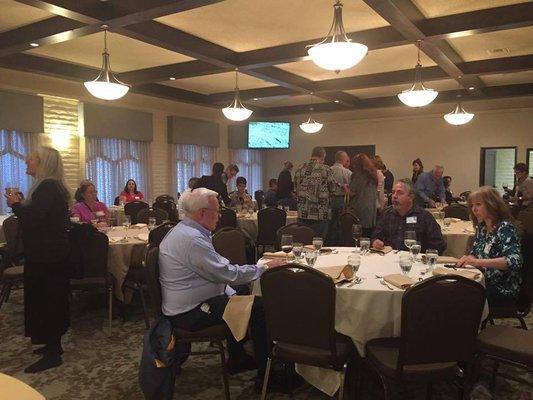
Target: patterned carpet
98,367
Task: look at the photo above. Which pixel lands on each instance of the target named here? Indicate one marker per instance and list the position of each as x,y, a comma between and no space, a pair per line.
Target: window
111,162
14,148
250,163
189,161
529,161
497,165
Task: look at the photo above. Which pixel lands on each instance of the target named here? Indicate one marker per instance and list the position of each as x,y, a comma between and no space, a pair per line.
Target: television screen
268,135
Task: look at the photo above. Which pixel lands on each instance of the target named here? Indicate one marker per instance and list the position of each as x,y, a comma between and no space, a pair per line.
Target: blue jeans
320,227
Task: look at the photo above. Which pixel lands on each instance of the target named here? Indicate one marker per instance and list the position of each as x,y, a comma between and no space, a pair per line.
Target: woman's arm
495,263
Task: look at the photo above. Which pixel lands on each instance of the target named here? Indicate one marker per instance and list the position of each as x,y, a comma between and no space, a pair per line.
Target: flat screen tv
268,135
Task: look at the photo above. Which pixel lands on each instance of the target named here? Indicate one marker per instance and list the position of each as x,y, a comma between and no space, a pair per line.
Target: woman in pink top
89,209
130,192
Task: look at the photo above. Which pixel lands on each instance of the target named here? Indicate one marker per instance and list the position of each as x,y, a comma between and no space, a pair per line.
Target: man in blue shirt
195,279
429,188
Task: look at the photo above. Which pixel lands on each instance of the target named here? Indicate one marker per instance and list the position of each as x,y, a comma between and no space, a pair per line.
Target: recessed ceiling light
172,78
34,44
337,101
471,88
255,98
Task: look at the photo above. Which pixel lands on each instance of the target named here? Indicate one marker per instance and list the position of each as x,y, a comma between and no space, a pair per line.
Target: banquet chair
164,197
91,250
296,335
215,334
456,210
259,196
228,218
346,221
428,349
13,252
300,233
169,207
156,236
231,243
116,202
269,220
465,194
133,208
157,213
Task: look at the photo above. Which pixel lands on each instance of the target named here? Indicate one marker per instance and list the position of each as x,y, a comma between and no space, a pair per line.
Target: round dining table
459,236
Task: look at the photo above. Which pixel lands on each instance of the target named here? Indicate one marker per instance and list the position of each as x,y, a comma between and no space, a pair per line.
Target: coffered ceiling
186,50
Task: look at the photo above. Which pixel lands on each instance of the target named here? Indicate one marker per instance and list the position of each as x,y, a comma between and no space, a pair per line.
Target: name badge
411,220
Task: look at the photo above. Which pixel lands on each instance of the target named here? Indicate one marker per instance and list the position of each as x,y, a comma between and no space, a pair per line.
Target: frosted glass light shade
458,116
417,97
337,56
236,113
106,90
311,126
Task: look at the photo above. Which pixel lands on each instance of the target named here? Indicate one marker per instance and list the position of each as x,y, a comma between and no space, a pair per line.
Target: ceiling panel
243,25
125,54
225,82
14,15
509,43
438,8
376,61
508,79
443,84
282,101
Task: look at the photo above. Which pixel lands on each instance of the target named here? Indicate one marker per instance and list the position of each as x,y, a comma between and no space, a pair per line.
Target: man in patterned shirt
314,186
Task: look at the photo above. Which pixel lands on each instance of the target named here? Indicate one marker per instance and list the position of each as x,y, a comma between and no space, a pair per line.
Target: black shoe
46,349
44,363
245,364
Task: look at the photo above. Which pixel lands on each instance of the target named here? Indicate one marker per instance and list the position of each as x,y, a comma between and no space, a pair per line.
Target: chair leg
265,380
386,390
343,380
224,370
109,308
145,311
4,292
429,390
522,322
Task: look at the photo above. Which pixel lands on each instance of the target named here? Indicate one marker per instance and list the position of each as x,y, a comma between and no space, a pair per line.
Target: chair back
231,243
456,210
346,221
300,233
164,197
269,220
299,305
465,194
440,320
88,252
133,208
117,201
228,218
151,262
525,296
13,236
156,236
259,196
169,207
157,213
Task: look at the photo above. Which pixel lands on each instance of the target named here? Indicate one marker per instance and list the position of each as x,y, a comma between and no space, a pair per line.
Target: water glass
286,208
354,261
357,232
318,243
447,222
127,221
364,244
415,251
310,258
405,264
409,239
431,257
297,249
151,223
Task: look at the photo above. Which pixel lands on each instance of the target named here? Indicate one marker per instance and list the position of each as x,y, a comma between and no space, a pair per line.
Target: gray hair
50,167
339,154
408,185
318,152
197,199
438,167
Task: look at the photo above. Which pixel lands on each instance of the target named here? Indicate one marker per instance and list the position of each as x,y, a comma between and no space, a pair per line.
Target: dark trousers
196,319
334,236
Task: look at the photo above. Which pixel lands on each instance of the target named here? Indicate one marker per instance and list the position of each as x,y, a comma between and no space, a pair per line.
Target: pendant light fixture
311,126
106,86
458,116
337,52
418,95
236,111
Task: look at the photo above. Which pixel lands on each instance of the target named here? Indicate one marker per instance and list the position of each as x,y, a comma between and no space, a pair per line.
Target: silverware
356,281
379,276
382,281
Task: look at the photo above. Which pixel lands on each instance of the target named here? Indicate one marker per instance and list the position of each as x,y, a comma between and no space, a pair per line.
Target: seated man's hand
378,244
275,263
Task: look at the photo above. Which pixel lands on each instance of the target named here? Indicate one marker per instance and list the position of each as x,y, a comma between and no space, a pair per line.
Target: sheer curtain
250,163
14,148
111,162
189,161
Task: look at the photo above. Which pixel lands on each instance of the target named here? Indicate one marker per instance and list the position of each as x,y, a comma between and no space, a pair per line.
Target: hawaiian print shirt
503,241
314,186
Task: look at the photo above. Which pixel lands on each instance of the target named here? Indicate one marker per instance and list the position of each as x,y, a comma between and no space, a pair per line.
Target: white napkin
114,239
143,236
139,225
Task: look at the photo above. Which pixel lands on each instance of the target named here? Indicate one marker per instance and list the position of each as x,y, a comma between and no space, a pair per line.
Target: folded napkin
323,250
455,219
338,273
139,225
242,215
442,259
143,236
115,239
277,254
384,250
399,280
292,213
466,273
237,315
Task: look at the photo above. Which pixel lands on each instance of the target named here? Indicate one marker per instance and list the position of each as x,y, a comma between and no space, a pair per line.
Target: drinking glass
409,239
310,258
364,244
447,222
357,232
354,261
431,256
405,264
297,249
286,245
318,243
415,251
286,208
127,221
151,223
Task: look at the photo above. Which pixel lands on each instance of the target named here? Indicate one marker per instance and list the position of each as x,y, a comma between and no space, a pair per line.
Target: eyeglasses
212,209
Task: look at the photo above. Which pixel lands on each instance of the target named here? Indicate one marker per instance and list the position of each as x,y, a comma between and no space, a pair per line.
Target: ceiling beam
182,70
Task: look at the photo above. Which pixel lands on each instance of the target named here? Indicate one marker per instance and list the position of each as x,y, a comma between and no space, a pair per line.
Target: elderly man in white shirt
342,176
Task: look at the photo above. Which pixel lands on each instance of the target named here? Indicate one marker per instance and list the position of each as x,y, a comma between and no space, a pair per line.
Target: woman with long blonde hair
43,217
496,249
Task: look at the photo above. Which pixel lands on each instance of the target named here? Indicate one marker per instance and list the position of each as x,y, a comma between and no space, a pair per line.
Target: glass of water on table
297,249
431,257
318,243
415,251
409,239
310,257
405,263
354,261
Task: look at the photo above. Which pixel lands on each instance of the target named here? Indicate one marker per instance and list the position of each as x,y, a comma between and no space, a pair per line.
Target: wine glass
357,232
310,257
364,244
318,243
354,261
409,239
297,249
415,251
127,221
151,223
286,245
405,263
431,256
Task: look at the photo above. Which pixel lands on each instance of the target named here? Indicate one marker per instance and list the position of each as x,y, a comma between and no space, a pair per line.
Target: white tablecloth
363,312
459,238
249,223
118,213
